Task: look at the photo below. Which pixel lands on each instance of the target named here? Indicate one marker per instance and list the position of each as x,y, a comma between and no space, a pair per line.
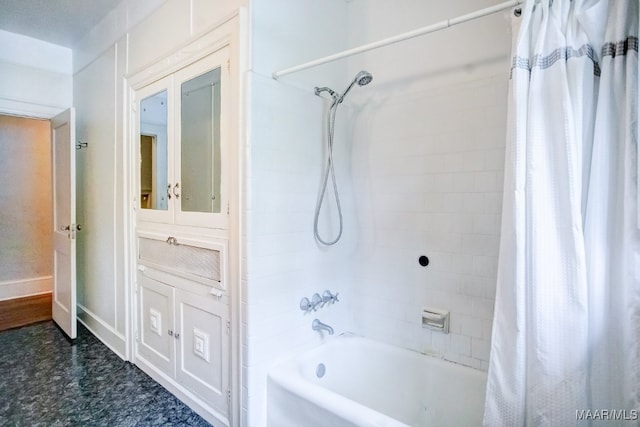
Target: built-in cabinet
182,121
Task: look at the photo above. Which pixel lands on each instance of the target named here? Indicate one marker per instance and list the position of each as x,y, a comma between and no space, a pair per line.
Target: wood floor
24,311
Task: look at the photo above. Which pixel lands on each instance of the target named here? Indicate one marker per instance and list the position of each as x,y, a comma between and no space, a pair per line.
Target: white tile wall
417,189
428,174
284,263
285,156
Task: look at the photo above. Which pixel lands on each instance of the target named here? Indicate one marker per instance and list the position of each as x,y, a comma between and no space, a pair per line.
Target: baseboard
103,331
188,398
11,289
18,312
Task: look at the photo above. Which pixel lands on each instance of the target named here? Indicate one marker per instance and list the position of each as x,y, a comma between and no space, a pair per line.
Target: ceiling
61,22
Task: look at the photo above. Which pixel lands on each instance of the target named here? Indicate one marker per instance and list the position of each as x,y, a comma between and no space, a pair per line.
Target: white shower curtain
566,331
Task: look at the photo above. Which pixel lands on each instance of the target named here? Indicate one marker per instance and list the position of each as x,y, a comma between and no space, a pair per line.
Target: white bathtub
368,383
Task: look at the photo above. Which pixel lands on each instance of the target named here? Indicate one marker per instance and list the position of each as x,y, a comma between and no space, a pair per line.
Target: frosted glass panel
153,152
200,143
181,258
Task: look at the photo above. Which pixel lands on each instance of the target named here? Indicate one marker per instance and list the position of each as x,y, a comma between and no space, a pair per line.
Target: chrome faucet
319,326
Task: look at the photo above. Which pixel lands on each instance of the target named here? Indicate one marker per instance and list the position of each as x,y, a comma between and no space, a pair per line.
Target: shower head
362,78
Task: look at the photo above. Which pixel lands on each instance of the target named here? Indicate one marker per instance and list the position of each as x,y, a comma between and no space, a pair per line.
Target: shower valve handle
328,297
305,304
315,300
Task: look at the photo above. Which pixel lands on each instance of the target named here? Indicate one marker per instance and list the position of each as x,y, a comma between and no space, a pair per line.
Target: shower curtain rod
400,37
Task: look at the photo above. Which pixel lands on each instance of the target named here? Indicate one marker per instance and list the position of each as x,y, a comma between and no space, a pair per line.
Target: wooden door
64,221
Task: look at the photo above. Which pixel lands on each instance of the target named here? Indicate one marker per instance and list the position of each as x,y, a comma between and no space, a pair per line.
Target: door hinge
228,396
137,339
227,208
228,327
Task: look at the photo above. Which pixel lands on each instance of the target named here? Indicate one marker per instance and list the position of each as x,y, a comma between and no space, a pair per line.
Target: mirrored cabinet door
154,139
200,143
202,133
182,133
153,152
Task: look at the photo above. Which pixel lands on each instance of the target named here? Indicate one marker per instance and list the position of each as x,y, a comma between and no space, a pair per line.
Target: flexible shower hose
331,121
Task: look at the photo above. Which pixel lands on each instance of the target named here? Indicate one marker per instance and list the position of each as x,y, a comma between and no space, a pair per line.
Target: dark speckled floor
46,381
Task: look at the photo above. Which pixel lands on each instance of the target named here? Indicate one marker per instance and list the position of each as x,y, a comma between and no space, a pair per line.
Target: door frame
35,111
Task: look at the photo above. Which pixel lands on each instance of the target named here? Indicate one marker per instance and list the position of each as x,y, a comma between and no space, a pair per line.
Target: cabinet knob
177,335
170,332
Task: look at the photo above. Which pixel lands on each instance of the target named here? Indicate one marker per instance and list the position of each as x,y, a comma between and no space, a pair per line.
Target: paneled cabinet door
203,347
156,323
185,335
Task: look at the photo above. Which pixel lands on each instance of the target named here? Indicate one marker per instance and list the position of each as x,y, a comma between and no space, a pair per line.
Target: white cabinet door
63,133
156,334
203,347
185,335
182,132
202,133
154,151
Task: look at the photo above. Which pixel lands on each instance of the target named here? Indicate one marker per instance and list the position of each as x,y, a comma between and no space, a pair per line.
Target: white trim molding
11,289
101,330
14,107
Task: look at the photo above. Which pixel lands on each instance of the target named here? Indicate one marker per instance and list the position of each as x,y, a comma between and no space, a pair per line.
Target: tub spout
319,326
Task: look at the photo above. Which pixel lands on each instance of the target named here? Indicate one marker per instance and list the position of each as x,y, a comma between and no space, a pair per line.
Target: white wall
127,40
35,76
285,153
428,168
26,244
111,29
100,274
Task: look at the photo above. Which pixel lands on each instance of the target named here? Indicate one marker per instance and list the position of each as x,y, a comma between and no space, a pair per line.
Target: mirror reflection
153,152
200,143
